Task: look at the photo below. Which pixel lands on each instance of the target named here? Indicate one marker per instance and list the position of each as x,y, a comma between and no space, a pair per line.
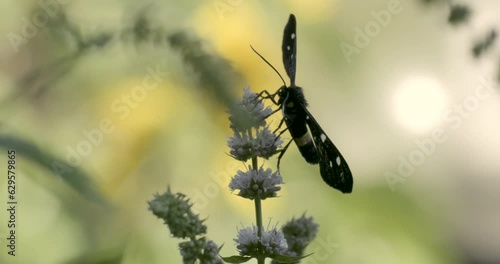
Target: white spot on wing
338,161
323,138
293,35
307,117
287,47
331,164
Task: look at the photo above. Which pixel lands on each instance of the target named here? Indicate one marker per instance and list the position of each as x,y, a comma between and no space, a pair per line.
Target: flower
247,241
189,251
274,241
249,244
264,145
210,254
299,233
201,249
256,183
175,210
249,113
245,115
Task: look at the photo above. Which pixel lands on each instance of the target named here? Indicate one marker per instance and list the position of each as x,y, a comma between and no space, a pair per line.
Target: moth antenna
269,65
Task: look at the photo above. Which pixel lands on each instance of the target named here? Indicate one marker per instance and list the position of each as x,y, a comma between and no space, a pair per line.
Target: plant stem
258,206
258,215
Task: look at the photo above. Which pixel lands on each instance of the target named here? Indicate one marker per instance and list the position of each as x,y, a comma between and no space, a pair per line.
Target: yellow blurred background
132,95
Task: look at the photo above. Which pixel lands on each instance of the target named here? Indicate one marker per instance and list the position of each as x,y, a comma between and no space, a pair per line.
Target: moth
311,140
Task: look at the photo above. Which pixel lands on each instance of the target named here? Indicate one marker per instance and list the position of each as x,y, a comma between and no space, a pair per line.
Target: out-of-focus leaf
74,177
459,14
114,256
483,45
214,74
287,259
236,259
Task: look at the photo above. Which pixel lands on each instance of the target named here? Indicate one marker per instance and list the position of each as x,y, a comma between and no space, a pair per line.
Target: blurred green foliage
65,78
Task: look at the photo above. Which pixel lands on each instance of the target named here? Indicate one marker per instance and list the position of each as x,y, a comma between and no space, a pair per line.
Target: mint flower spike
299,233
256,183
175,210
271,243
248,113
201,249
266,143
210,254
243,146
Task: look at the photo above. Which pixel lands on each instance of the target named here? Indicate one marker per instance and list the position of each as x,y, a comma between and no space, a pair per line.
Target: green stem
258,207
258,215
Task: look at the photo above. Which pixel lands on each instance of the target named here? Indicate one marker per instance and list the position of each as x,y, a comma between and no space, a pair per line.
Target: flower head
299,233
210,254
256,183
249,244
200,249
264,145
189,251
175,210
248,113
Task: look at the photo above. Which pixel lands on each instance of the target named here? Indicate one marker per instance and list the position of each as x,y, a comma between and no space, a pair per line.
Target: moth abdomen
309,151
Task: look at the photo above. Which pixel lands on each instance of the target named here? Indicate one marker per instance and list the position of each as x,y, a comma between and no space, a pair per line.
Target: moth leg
279,126
273,112
281,132
283,153
269,96
279,135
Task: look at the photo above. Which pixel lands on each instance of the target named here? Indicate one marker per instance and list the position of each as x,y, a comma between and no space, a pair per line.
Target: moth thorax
283,94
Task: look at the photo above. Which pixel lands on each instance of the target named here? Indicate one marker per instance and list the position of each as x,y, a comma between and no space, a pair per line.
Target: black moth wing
332,165
289,48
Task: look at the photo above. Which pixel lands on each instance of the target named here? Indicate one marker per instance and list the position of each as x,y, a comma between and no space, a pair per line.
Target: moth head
282,93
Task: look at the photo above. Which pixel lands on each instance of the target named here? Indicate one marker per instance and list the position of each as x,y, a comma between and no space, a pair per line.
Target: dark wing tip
341,182
347,188
346,181
289,48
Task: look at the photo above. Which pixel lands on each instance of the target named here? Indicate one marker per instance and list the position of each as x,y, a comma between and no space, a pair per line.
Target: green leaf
73,176
220,247
236,259
287,259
